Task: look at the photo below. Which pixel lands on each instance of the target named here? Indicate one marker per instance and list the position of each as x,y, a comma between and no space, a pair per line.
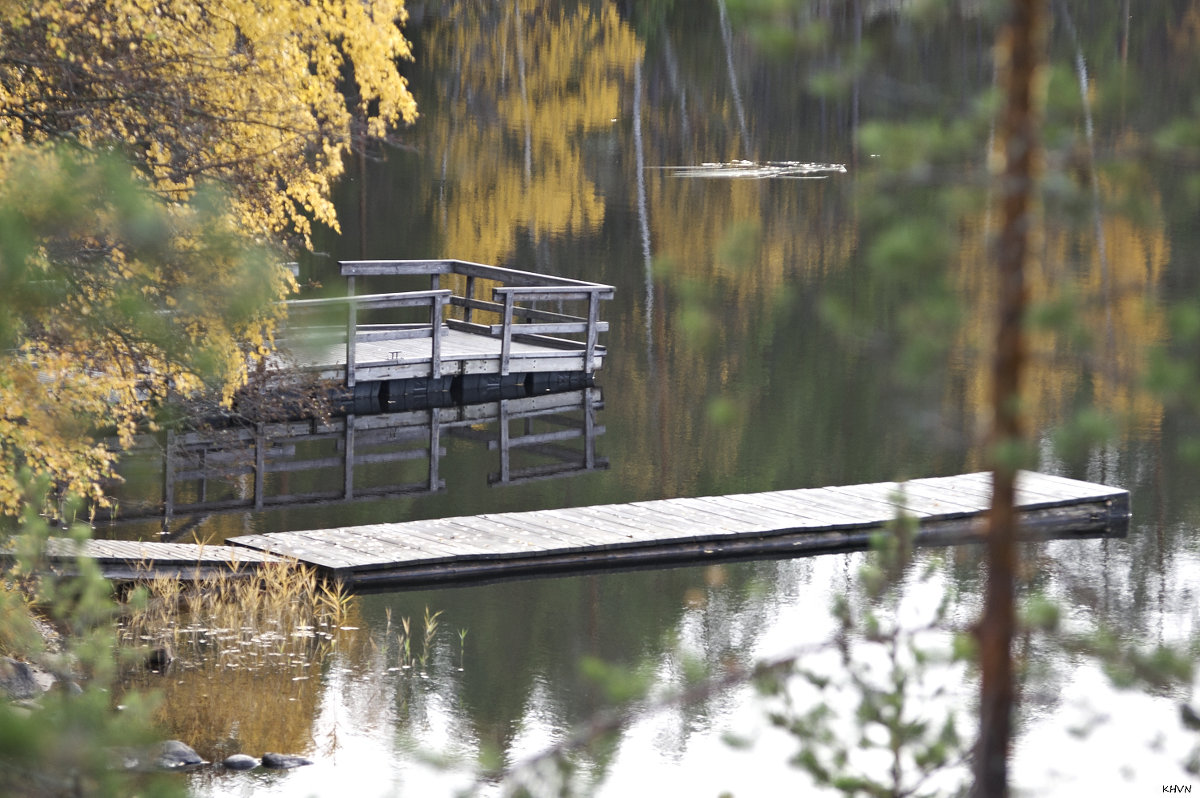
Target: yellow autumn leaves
112,300
123,275
246,92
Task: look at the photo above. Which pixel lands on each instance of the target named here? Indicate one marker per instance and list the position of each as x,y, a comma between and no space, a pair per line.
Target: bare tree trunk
1020,53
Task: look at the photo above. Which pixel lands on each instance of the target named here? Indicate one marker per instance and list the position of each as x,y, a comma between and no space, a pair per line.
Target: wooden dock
781,523
455,334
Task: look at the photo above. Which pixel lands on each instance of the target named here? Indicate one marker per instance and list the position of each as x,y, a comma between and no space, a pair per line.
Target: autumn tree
157,159
110,300
178,149
249,93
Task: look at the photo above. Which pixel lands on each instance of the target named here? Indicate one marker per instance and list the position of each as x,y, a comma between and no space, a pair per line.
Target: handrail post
593,317
470,292
506,334
351,331
435,323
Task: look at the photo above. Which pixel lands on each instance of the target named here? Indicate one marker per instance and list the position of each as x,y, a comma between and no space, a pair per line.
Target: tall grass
414,652
279,613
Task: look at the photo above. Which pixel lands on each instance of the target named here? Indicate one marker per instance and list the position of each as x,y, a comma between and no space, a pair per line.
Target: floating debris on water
760,171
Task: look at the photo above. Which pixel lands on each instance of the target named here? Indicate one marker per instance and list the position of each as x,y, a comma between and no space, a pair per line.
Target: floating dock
790,523
781,523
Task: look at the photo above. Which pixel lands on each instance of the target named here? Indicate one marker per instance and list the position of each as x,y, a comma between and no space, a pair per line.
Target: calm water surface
543,135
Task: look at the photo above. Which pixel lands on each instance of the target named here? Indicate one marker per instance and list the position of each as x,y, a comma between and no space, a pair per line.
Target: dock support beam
169,470
260,465
348,472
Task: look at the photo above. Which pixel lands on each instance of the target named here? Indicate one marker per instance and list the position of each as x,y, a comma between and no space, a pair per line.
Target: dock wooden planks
781,523
134,559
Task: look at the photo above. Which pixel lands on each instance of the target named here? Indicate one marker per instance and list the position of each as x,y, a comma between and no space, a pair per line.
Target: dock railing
513,296
436,300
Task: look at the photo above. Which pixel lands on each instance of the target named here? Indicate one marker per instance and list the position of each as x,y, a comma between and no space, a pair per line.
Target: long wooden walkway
781,523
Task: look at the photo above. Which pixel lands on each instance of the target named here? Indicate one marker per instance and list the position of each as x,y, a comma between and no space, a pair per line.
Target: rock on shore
271,760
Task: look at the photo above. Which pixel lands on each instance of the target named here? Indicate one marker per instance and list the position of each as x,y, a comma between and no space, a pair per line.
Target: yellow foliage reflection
532,84
1104,277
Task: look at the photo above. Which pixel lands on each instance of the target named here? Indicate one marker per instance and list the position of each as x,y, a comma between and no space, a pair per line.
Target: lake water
546,139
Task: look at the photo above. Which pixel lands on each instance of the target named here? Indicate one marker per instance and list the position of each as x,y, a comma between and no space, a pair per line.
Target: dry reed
278,614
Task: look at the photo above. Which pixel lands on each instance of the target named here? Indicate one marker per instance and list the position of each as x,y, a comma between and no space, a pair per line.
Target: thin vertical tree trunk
727,40
1020,52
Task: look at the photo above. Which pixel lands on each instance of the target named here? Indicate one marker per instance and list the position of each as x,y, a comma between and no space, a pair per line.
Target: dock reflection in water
360,457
